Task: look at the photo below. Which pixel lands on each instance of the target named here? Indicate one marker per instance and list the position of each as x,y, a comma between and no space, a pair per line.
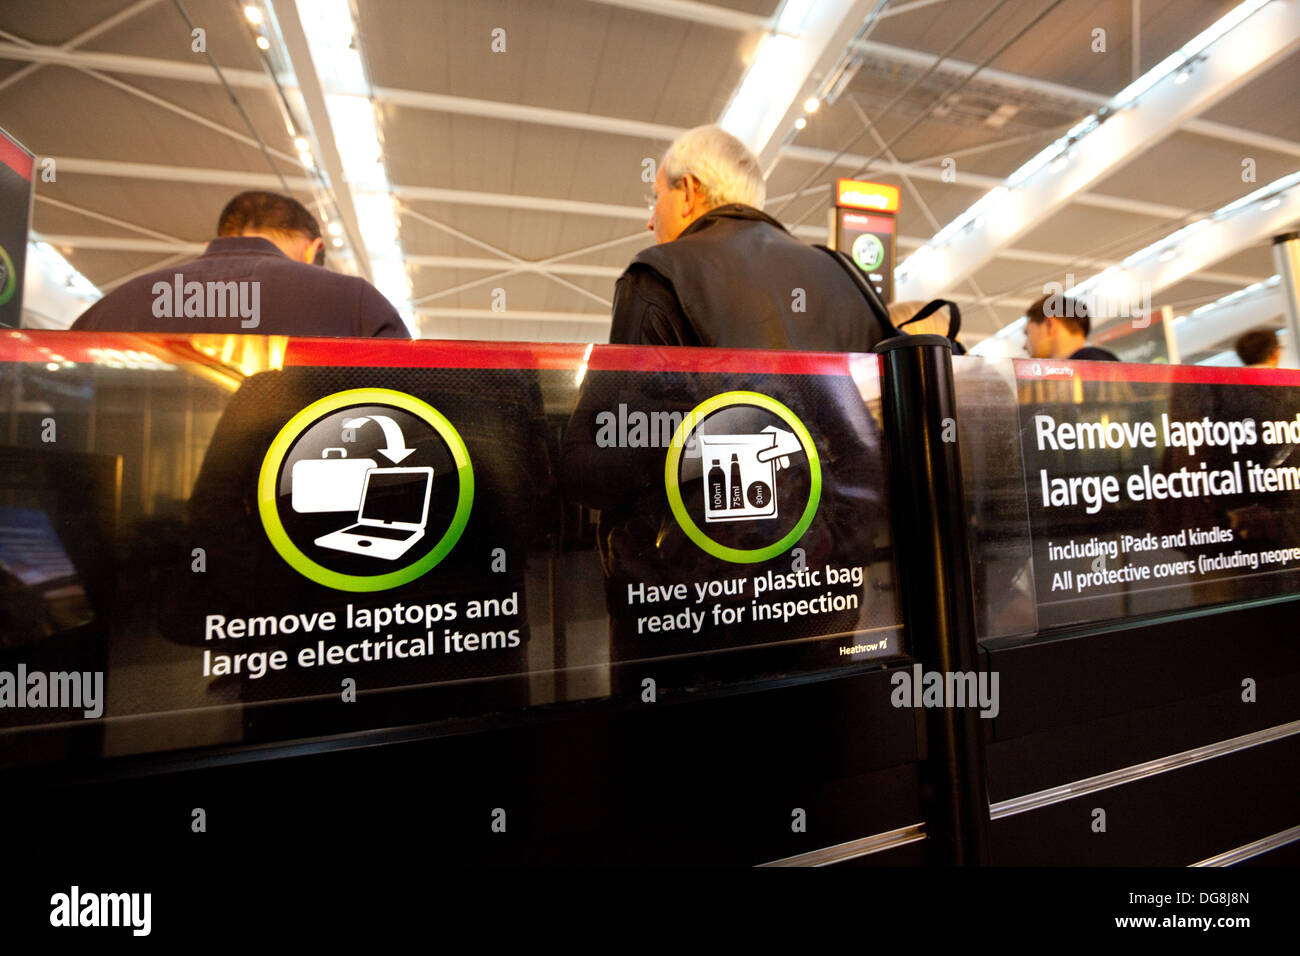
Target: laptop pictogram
394,509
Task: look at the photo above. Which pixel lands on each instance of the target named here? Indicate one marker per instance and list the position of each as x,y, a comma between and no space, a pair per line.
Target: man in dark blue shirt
262,275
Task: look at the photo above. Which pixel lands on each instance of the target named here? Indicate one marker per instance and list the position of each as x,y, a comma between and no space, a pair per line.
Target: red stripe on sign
89,347
606,358
16,157
1029,370
632,358
395,353
92,347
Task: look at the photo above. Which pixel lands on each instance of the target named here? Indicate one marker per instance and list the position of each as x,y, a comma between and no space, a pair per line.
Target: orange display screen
856,194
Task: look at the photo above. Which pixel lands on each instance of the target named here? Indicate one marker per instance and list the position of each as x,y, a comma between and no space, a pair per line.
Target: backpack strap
875,304
880,311
933,306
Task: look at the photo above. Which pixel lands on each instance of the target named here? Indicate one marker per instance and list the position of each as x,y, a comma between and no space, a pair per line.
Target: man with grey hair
724,273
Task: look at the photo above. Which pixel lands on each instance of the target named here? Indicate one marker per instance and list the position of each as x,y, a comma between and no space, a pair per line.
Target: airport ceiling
501,159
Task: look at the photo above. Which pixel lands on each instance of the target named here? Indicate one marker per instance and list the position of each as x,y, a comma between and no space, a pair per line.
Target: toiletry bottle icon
717,487
737,489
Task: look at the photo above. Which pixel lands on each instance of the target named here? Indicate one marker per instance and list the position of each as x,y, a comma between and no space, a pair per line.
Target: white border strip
1116,778
1229,857
854,848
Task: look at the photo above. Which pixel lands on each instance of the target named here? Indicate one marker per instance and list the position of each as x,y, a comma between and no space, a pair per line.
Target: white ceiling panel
617,74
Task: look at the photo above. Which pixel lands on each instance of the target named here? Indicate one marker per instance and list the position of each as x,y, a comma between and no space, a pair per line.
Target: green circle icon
8,277
673,464
269,480
868,251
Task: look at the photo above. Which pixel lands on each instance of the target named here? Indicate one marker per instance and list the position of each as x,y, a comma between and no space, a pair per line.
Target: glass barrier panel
1148,489
993,478
226,540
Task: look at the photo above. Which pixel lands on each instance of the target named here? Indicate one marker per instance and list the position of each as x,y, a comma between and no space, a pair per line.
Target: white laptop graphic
393,512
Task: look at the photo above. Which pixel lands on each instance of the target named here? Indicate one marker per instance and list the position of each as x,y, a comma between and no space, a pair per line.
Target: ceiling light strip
333,40
804,43
1065,168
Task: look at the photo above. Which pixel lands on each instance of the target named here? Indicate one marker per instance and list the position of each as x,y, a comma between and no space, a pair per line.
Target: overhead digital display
855,194
869,242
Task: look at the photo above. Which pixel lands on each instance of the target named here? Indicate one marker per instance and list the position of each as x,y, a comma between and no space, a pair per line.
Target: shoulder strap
880,311
933,306
875,305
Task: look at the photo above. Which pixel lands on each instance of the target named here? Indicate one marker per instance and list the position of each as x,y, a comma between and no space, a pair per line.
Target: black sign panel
737,509
318,536
1157,488
869,240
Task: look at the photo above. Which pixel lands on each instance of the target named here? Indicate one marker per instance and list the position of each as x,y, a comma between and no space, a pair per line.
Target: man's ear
692,195
313,249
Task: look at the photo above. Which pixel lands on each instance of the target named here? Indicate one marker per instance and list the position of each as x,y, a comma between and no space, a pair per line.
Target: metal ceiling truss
1017,84
745,22
1116,135
514,260
470,198
111,220
514,112
85,36
253,180
86,63
92,63
911,187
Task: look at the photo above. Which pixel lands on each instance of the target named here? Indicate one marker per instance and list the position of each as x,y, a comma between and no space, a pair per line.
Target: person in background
1259,349
263,274
724,274
1057,328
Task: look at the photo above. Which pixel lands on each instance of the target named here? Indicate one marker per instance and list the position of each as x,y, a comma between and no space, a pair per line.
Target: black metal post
933,557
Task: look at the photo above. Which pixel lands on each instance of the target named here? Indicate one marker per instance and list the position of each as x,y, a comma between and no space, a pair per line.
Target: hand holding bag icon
331,484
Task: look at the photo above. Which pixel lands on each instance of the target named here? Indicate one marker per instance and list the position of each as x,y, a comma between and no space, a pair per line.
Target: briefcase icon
331,484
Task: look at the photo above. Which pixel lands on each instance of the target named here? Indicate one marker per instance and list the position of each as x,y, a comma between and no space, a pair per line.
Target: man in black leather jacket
725,274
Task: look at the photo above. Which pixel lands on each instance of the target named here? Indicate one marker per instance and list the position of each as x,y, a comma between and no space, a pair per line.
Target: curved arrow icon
394,441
